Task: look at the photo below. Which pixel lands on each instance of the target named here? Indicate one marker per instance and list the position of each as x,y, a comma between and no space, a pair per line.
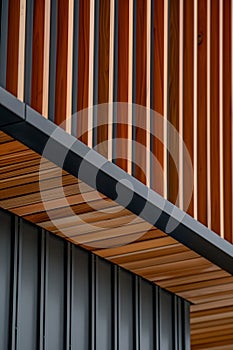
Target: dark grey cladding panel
55,295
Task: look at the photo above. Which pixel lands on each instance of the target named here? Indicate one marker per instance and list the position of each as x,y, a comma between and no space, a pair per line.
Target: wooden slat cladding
121,131
61,64
103,74
188,83
139,91
202,113
173,56
173,103
38,56
227,122
13,46
83,66
214,117
157,68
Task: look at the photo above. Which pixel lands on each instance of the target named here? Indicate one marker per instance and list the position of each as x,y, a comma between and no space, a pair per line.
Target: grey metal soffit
27,126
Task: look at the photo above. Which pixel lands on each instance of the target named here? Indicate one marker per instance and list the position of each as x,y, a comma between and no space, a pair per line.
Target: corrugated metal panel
55,295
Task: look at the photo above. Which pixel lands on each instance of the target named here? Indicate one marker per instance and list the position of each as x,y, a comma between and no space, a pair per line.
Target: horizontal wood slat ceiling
154,255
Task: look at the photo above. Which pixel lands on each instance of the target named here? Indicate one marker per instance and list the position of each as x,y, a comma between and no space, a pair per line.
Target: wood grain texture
227,120
13,46
188,88
157,179
38,55
103,74
173,112
83,66
202,112
122,82
61,61
214,117
139,114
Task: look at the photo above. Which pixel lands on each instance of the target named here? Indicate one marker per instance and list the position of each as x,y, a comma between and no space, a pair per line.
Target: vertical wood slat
148,92
159,90
103,74
214,199
45,91
173,111
112,38
221,116
181,110
227,120
208,114
195,63
61,62
13,46
124,14
188,87
69,65
231,142
131,58
38,56
166,100
21,53
83,67
140,94
91,73
202,113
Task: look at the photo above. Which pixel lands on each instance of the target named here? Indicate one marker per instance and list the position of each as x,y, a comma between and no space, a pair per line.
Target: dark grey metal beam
41,135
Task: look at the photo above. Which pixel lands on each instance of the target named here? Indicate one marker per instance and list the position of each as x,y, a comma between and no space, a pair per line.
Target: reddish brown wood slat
61,61
122,82
188,87
83,66
103,73
158,93
13,46
37,55
202,112
214,118
140,94
173,113
227,120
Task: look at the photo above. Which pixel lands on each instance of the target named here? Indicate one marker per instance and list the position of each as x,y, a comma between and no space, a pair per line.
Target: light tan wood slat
91,226
36,198
159,260
195,278
149,253
64,212
197,262
203,284
211,315
5,138
201,326
16,158
21,165
169,274
26,170
11,147
26,178
207,290
34,187
134,229
58,203
212,297
222,336
90,217
135,247
213,305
